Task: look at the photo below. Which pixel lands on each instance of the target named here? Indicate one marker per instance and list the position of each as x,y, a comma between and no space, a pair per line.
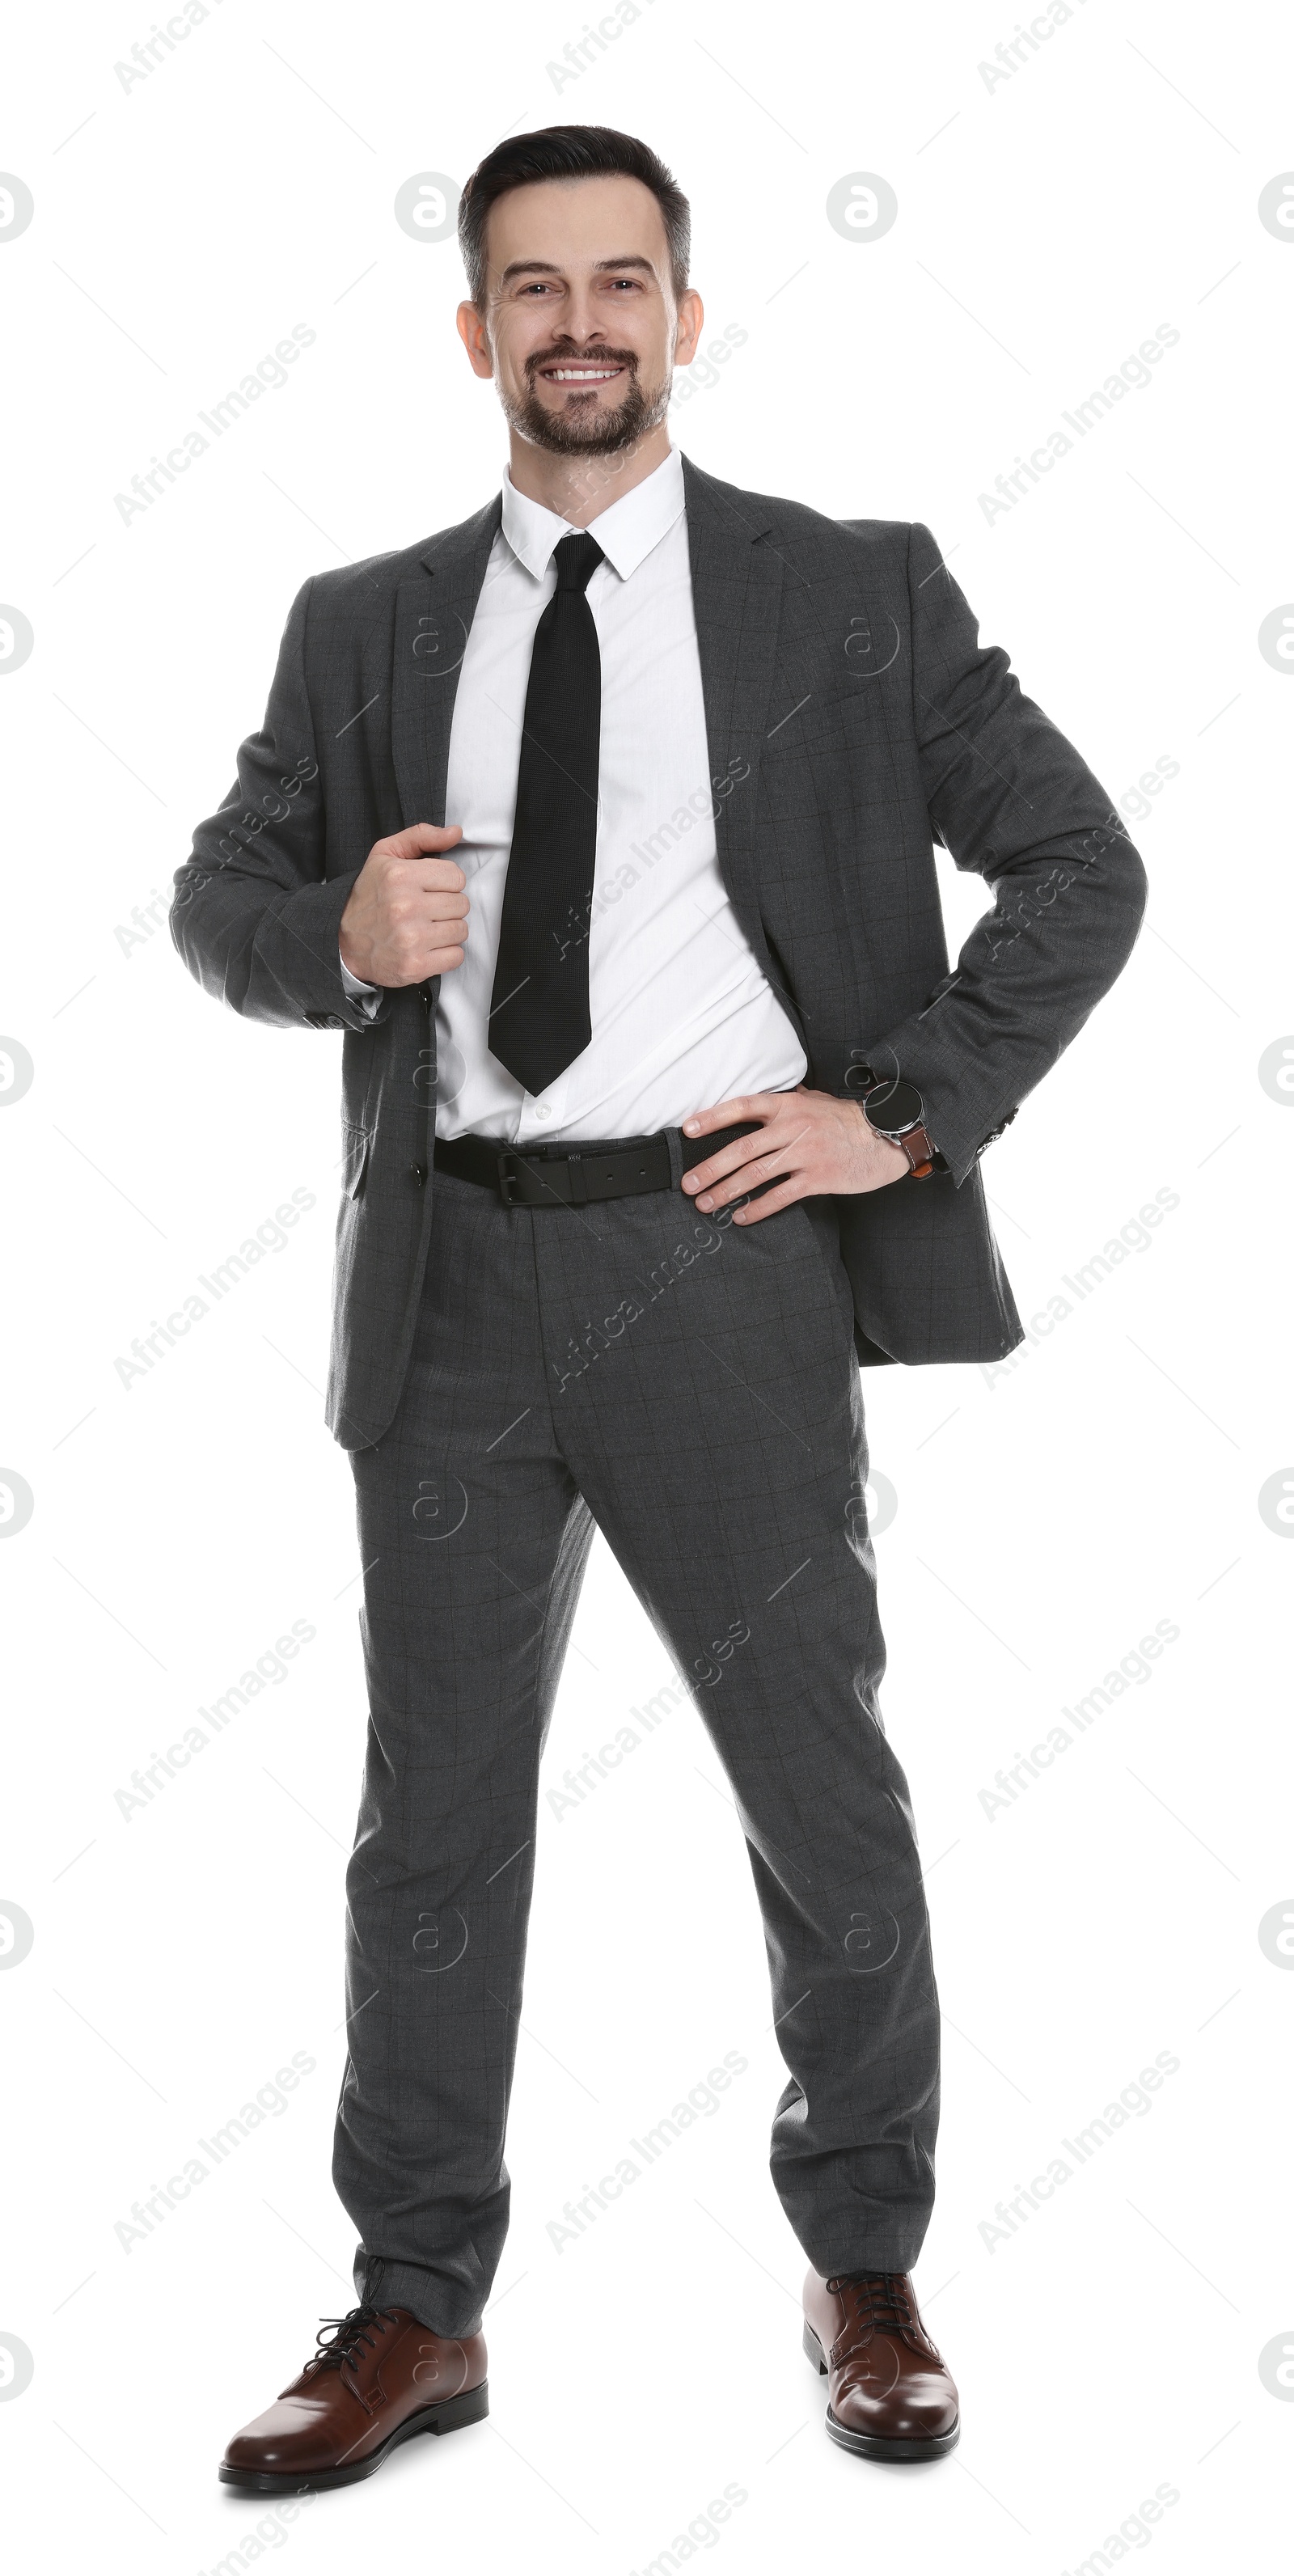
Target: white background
1047,1516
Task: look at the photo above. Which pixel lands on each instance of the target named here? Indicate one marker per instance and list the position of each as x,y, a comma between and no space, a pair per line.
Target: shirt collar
626,532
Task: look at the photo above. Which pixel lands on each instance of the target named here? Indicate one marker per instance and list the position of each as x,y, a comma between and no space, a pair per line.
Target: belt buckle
505,1165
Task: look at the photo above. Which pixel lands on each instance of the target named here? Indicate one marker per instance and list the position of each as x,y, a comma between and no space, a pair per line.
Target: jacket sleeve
1008,796
254,916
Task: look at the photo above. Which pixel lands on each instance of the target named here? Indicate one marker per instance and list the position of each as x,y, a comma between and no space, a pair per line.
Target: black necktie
539,1009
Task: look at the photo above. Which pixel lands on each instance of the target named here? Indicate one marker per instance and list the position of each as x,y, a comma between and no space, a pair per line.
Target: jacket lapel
737,577
433,616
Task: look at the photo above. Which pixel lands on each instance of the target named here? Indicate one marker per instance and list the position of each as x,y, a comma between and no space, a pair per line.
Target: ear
691,322
475,339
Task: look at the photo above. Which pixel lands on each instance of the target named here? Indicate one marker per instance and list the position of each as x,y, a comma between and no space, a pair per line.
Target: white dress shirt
682,1015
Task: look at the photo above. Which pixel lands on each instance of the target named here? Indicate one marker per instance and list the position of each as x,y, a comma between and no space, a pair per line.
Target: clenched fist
407,914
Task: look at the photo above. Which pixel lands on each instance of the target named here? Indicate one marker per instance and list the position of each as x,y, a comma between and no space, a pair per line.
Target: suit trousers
690,1387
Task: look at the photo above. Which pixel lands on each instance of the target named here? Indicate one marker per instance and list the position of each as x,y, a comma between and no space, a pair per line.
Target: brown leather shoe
890,2396
374,2382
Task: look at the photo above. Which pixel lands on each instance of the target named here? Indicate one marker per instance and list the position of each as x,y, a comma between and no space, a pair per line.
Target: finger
774,1165
776,1142
442,902
743,1150
429,872
418,839
772,1200
441,935
733,1113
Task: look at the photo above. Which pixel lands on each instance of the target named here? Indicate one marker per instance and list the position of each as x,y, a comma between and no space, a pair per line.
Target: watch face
895,1106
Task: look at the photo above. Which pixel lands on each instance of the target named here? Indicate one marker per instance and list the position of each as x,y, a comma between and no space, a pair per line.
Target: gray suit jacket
851,714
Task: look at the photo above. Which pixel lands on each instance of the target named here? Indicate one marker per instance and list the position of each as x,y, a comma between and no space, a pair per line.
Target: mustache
581,358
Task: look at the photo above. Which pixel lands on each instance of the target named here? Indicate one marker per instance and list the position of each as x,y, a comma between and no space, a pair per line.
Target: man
602,826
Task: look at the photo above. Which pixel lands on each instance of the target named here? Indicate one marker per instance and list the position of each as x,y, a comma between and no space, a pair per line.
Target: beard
583,428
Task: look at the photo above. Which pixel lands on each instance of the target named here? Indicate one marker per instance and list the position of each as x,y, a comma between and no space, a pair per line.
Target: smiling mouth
579,375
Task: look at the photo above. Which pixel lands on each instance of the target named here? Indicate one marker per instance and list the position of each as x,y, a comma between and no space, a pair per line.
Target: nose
581,326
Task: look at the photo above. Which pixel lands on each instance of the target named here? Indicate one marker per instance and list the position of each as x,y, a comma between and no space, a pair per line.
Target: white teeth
580,375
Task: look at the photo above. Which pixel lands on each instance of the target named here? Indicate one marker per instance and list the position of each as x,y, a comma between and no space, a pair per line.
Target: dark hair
569,152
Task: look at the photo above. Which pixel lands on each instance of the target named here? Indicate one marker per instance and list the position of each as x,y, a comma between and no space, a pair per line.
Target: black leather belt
569,1176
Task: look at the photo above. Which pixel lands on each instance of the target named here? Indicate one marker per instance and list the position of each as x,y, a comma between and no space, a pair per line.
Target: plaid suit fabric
508,1380
851,714
690,1387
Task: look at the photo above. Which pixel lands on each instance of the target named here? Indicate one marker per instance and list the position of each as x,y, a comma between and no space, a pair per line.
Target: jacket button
418,1171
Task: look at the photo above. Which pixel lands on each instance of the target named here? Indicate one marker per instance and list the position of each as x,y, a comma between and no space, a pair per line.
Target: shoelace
350,2335
878,2299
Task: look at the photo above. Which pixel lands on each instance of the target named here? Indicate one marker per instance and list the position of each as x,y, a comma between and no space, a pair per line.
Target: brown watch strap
920,1152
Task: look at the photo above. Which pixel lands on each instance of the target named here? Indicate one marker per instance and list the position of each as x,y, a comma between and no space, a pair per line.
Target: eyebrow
550,268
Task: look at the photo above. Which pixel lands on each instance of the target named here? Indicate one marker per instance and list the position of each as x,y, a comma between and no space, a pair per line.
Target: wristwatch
896,1110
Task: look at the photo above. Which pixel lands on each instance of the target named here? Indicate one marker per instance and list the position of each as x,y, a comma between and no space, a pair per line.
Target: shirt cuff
367,995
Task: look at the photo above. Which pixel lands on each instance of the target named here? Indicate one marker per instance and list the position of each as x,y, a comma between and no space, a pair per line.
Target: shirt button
543,1113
